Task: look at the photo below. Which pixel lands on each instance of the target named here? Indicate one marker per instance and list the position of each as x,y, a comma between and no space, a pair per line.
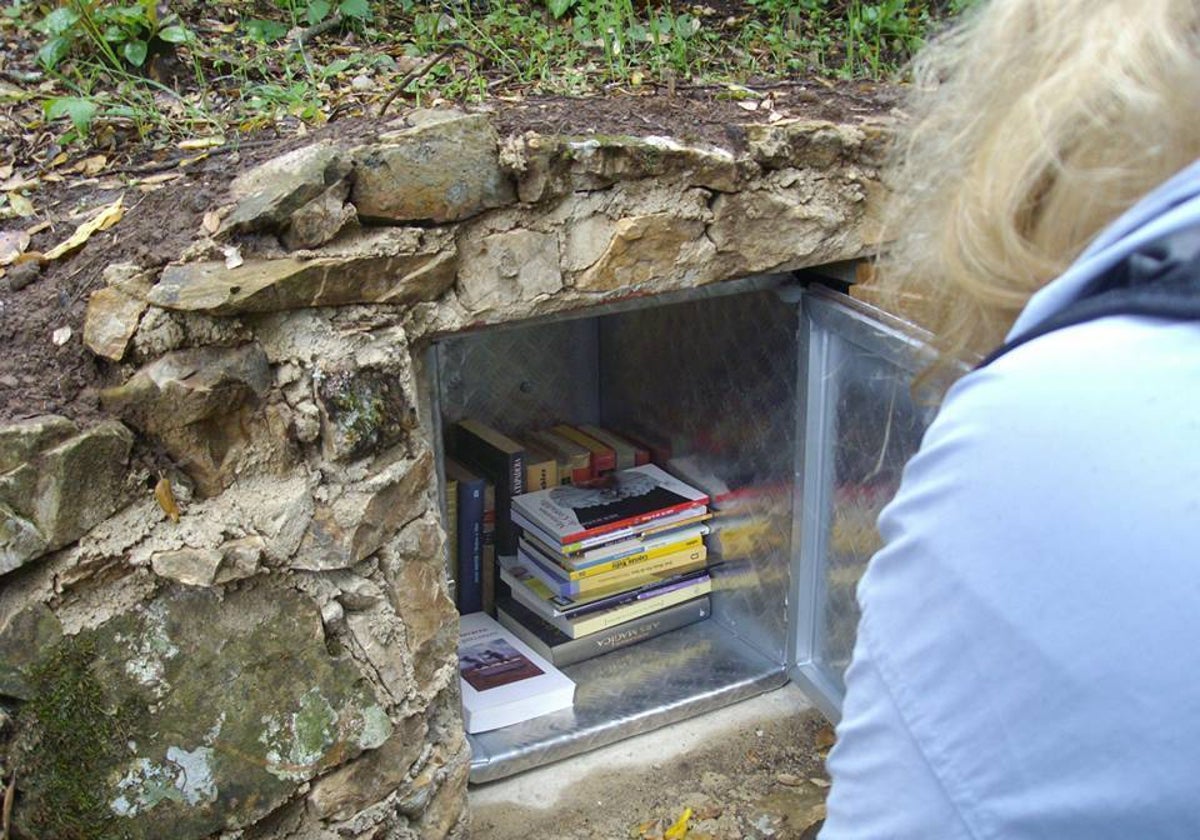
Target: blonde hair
1034,123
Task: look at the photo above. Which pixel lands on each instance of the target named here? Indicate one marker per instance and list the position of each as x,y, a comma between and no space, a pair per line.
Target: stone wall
252,636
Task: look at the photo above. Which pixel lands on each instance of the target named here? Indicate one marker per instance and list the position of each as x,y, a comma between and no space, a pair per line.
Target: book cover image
493,662
621,496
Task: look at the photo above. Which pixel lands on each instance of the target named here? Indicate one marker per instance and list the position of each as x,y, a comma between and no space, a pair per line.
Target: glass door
858,424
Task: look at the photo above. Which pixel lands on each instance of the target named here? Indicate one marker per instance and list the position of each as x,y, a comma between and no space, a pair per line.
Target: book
502,461
623,574
468,536
503,680
489,547
603,457
574,460
541,469
622,499
626,453
561,650
606,537
585,619
613,555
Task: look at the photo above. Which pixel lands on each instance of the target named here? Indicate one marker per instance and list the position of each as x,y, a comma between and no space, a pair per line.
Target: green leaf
135,52
58,22
356,9
558,8
317,11
80,111
176,35
265,31
54,51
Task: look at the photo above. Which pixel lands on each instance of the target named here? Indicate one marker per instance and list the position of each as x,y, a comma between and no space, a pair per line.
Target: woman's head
1034,123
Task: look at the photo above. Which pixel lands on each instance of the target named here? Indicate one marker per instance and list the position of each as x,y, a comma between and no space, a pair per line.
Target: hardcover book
562,650
502,461
503,680
621,499
468,536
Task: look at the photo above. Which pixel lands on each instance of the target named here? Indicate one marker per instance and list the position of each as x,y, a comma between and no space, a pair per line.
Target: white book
608,506
503,680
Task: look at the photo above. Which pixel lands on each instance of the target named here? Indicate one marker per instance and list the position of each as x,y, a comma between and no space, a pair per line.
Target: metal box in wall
790,404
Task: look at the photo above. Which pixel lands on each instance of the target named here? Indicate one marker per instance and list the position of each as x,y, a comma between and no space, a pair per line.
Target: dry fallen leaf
195,143
21,205
61,336
747,105
679,828
105,218
38,228
59,159
6,171
12,244
165,497
161,178
93,165
17,182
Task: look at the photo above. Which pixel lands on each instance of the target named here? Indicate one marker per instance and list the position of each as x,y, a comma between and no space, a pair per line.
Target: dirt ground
754,771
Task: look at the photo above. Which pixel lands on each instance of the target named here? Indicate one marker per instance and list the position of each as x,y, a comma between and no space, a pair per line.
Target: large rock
59,493
555,166
269,194
368,513
645,249
419,592
518,266
198,404
190,715
21,441
276,285
439,169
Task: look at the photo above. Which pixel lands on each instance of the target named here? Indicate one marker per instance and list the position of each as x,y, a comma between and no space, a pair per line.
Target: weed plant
248,64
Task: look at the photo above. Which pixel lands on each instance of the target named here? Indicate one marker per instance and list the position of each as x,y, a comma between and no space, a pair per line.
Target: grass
111,72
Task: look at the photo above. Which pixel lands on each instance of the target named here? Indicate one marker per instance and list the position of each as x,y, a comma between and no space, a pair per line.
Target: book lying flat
562,650
621,552
503,680
687,516
624,576
600,615
622,499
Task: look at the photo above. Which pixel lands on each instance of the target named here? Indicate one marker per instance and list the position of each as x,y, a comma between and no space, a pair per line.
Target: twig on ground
314,31
6,816
413,75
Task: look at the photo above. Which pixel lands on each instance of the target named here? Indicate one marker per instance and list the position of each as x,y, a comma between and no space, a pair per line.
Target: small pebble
362,83
23,274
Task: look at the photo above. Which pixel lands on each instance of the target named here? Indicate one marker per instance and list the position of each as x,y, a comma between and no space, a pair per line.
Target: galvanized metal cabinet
791,404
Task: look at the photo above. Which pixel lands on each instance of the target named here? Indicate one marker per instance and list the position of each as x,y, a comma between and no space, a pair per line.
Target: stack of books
607,563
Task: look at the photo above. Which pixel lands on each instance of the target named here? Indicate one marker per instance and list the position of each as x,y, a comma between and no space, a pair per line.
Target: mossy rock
188,715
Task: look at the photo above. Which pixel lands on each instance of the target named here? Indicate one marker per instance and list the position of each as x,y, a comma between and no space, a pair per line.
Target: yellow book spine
620,563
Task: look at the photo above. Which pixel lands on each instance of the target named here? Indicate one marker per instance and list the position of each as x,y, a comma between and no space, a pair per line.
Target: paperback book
623,499
577,617
503,680
621,577
562,650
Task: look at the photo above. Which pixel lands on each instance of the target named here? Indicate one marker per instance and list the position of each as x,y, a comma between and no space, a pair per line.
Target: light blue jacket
1028,658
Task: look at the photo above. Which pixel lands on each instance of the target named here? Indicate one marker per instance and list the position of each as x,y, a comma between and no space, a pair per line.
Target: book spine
562,650
488,558
470,546
625,560
603,458
632,573
476,444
